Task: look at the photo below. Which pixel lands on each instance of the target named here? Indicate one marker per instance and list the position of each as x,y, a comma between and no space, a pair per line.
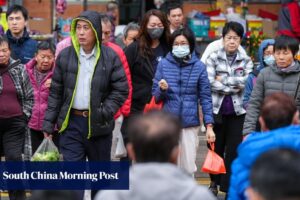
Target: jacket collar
221,54
22,39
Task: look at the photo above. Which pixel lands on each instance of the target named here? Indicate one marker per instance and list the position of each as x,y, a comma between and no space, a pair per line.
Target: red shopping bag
153,105
213,163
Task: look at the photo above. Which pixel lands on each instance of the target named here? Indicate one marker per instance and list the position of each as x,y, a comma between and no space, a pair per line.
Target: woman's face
44,59
231,42
283,57
4,53
180,41
154,22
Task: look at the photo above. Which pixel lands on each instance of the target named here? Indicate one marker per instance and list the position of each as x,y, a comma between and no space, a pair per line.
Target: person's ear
174,155
262,124
252,194
296,120
130,151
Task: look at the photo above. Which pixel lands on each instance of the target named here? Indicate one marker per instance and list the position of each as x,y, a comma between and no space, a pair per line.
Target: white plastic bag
120,150
47,151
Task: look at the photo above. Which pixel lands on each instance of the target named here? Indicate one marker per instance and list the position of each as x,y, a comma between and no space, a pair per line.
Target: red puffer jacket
125,109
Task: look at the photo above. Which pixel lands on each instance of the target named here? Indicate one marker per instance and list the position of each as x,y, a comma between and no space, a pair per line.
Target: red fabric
266,14
2,2
41,93
295,18
125,109
153,105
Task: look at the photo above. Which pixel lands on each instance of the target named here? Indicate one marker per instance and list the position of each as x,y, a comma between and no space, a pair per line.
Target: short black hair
3,39
53,195
174,6
153,136
17,8
275,175
235,27
105,18
45,45
278,110
286,42
186,32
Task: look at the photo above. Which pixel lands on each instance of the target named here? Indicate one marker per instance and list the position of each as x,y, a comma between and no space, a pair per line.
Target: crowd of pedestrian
77,91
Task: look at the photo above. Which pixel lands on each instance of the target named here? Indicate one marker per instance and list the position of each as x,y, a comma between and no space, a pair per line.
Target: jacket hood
171,59
261,49
166,173
296,68
94,19
24,37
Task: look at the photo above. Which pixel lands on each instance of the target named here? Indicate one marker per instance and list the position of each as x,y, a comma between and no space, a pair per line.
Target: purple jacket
41,93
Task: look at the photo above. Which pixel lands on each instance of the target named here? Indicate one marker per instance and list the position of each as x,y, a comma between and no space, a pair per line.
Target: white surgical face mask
181,51
269,60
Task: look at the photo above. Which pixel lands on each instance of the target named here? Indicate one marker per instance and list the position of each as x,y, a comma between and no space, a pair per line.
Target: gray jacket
270,79
158,181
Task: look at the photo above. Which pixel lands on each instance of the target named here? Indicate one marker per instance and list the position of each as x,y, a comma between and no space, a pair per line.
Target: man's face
16,22
106,31
176,18
4,53
44,59
131,36
85,34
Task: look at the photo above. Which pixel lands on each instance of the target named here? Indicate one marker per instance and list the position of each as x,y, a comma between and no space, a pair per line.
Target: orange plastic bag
153,105
213,163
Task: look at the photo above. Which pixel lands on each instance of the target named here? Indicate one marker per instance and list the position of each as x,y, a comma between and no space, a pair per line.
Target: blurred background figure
275,175
131,32
53,195
175,16
112,10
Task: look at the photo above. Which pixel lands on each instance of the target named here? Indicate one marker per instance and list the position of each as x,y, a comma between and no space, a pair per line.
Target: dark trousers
74,145
37,138
12,136
228,132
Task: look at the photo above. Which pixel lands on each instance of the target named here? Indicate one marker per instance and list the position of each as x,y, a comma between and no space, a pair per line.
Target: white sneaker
203,129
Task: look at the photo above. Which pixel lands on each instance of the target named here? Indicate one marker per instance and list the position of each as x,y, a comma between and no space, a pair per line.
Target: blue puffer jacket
22,48
251,80
254,145
188,85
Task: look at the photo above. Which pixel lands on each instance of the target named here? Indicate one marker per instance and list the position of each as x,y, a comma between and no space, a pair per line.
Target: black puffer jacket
142,74
109,87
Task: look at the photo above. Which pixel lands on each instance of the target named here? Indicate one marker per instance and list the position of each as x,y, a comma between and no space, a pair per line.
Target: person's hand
163,85
48,83
47,135
210,134
219,78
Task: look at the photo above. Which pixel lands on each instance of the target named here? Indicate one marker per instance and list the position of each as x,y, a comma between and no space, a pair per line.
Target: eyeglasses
234,38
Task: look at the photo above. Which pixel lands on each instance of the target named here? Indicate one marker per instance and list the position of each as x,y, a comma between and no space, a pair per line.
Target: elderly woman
283,76
40,71
16,100
228,70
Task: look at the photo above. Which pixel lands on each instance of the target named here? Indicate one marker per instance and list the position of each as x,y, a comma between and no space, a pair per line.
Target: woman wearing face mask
181,82
266,58
283,76
143,56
